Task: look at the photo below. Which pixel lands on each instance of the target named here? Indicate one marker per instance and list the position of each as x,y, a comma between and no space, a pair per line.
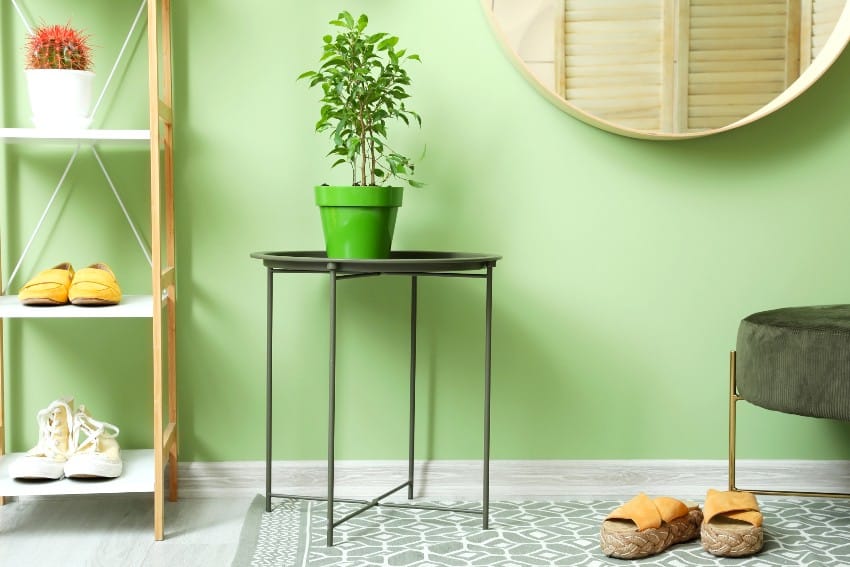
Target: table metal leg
411,434
487,342
269,326
331,405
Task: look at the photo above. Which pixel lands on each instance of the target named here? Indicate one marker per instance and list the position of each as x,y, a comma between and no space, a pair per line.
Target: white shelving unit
89,137
134,306
144,470
137,476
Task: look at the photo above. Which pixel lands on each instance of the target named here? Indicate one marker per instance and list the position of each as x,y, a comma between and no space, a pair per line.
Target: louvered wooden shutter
609,62
685,65
737,59
825,14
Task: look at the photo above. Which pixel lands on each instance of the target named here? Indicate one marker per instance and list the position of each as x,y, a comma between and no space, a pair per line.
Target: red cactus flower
58,47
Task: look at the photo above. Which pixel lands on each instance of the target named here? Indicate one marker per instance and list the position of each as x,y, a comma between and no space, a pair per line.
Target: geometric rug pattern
798,531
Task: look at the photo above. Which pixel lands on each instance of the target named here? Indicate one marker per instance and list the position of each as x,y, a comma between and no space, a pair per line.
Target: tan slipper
645,526
733,524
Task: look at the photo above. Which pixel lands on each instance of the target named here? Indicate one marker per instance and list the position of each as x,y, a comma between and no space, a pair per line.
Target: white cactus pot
60,98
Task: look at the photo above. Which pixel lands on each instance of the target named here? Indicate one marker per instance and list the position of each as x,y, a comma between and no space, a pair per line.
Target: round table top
399,261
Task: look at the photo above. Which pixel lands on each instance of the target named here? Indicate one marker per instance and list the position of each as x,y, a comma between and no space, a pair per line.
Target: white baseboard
512,480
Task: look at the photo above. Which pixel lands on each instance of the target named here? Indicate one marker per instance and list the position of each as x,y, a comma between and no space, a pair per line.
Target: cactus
58,47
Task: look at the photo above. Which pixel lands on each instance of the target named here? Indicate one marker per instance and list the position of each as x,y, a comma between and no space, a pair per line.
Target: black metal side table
411,264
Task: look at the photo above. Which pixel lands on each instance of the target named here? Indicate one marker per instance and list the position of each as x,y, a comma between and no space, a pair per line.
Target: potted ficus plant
59,76
364,86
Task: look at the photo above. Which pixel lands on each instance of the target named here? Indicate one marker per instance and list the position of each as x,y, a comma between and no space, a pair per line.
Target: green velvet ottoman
793,360
797,360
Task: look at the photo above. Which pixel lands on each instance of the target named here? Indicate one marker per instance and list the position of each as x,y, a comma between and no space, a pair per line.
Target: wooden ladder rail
163,274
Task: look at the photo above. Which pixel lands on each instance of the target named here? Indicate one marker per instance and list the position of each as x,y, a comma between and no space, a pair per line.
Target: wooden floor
117,531
203,528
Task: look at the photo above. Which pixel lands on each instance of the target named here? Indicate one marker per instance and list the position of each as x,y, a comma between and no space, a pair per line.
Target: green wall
627,264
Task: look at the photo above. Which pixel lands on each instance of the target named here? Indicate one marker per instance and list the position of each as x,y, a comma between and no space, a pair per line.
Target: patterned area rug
797,532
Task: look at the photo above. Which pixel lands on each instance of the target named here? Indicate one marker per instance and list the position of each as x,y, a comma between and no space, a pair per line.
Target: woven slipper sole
730,538
621,540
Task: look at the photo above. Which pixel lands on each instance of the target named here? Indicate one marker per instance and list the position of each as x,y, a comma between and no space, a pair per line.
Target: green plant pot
358,222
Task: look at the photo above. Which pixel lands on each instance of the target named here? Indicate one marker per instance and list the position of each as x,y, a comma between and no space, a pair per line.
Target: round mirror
670,69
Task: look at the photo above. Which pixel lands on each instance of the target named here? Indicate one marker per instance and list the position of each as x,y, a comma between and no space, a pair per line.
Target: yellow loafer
95,285
49,287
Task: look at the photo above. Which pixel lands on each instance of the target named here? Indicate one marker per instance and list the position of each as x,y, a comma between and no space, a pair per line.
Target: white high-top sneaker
96,452
47,459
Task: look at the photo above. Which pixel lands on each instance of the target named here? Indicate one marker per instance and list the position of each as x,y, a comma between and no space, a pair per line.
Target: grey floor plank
189,555
117,530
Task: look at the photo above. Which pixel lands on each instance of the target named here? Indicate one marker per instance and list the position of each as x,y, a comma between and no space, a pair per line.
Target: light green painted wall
627,264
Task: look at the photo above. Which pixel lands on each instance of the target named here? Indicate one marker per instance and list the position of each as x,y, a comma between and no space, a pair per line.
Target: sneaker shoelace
49,430
92,429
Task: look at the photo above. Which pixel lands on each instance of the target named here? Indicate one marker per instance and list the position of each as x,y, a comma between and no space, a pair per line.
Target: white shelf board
137,476
130,306
74,136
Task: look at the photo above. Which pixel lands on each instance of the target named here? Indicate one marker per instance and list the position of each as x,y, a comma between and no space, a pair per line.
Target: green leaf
362,22
306,74
414,183
332,62
414,57
388,43
346,17
374,38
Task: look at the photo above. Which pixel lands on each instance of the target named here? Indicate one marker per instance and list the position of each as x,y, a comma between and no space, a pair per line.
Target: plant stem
372,154
362,147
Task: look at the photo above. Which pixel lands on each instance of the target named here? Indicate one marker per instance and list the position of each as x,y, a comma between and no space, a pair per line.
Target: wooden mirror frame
831,50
